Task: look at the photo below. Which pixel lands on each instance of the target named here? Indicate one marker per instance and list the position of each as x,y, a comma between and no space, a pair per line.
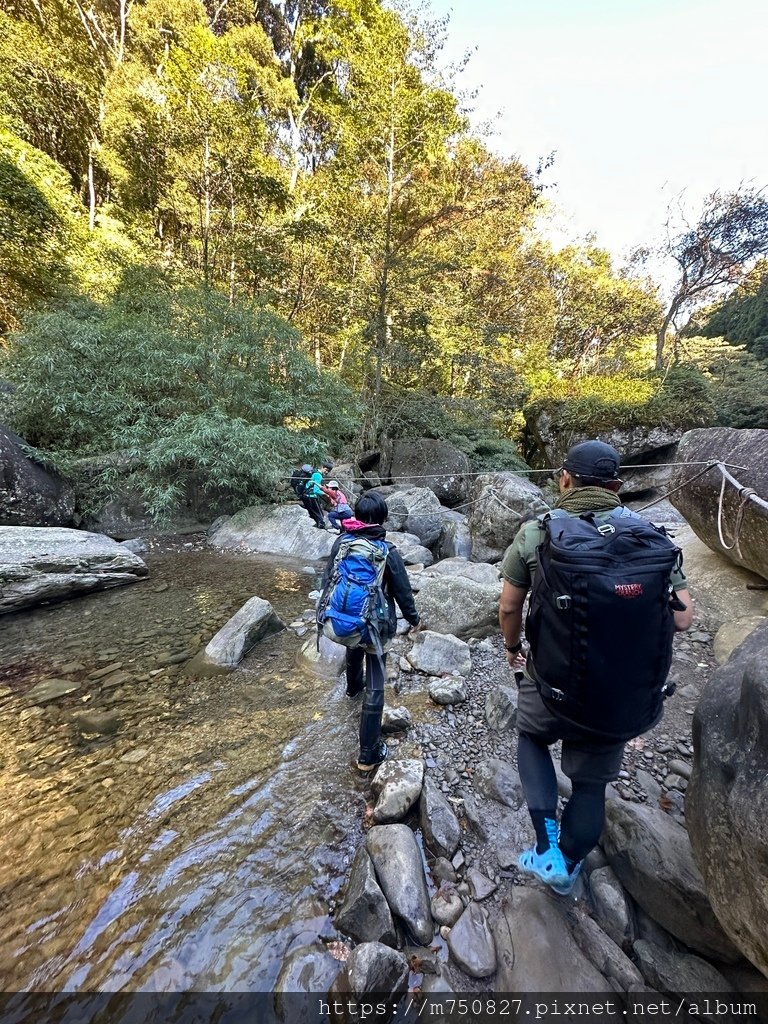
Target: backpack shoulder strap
623,512
552,513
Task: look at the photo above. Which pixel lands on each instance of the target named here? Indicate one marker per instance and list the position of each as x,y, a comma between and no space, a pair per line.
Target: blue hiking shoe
566,888
549,867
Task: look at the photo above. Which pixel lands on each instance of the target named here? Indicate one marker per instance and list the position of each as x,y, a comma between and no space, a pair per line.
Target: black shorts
585,758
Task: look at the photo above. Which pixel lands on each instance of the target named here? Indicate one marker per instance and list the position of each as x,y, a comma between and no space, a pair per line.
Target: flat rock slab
50,563
285,530
537,951
51,689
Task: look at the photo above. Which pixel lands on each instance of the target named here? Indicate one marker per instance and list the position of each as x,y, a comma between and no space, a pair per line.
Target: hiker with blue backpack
608,594
363,580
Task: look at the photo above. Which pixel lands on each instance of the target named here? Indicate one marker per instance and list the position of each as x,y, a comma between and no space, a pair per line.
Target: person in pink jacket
341,509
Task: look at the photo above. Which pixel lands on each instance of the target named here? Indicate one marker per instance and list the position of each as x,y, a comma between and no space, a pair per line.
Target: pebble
680,768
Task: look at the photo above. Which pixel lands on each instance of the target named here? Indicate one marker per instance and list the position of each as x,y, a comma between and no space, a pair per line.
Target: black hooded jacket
396,584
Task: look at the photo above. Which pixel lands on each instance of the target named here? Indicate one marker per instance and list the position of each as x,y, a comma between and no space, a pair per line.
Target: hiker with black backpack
608,595
363,578
304,482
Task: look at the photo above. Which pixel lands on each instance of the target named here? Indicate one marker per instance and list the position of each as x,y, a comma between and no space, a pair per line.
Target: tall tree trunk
232,265
205,225
383,320
661,337
91,189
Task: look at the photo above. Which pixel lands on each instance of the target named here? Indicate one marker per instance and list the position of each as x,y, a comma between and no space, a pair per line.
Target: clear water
197,845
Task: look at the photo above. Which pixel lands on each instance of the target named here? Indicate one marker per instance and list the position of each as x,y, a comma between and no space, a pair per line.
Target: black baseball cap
594,460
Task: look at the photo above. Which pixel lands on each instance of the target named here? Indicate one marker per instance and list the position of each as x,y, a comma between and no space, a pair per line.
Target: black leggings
584,814
373,701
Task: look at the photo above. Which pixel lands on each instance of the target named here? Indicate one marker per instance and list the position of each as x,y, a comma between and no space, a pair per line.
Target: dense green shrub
182,384
470,425
680,398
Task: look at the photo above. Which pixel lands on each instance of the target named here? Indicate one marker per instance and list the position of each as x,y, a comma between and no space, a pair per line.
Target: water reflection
197,843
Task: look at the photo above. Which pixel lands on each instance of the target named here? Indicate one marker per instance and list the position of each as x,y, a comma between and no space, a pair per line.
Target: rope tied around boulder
746,494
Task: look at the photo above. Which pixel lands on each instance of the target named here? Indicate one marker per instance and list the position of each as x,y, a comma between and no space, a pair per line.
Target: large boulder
650,854
396,786
427,462
438,654
48,563
480,572
649,446
125,514
744,521
325,659
31,495
284,530
718,587
500,501
347,474
400,871
255,620
364,913
726,805
416,510
412,551
677,973
460,606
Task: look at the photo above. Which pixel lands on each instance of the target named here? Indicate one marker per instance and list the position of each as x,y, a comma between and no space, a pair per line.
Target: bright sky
640,99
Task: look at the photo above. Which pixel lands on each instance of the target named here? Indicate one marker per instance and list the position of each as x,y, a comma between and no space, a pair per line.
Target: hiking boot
567,887
379,756
549,867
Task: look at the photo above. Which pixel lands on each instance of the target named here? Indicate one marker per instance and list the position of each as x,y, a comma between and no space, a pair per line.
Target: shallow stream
195,839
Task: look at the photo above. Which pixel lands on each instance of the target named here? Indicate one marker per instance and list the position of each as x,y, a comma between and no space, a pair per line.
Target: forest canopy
251,225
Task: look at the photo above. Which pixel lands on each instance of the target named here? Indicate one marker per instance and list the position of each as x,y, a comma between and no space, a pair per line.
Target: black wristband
514,648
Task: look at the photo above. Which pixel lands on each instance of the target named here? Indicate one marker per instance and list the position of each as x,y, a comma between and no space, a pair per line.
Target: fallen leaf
339,951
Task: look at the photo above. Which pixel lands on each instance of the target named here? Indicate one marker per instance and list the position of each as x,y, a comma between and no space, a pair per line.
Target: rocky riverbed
166,829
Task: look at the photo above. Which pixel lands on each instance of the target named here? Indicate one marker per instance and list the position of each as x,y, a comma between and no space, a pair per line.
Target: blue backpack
353,610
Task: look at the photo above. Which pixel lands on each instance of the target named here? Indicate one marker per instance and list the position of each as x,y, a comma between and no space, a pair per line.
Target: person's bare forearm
511,623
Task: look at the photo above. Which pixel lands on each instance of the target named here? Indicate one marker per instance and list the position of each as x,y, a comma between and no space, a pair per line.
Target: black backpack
600,622
299,482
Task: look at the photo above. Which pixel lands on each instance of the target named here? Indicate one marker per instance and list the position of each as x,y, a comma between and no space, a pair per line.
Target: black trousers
312,505
367,672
